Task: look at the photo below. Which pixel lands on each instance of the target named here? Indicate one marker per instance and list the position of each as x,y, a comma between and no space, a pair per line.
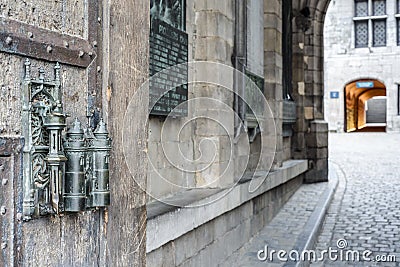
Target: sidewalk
295,227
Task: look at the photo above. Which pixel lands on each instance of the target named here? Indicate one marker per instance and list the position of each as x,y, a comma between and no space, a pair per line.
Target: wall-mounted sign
169,11
367,84
168,47
334,94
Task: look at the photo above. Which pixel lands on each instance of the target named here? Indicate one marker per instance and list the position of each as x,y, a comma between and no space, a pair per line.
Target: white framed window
370,23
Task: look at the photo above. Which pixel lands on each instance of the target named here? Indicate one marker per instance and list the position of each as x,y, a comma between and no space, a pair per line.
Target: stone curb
308,237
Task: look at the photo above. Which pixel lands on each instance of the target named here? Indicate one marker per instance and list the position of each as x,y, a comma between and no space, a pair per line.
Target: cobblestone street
283,231
365,210
363,214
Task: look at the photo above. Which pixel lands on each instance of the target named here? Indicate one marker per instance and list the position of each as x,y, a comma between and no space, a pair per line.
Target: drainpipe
239,62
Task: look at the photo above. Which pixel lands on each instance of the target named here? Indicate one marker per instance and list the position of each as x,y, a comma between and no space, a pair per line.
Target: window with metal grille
361,8
379,33
379,7
370,21
361,30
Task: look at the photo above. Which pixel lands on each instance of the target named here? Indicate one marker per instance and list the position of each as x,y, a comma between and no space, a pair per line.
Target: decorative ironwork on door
60,177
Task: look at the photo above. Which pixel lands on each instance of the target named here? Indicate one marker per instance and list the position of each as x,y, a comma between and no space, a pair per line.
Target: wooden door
102,49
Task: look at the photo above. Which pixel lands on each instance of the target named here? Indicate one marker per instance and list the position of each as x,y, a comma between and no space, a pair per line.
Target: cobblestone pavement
365,211
282,231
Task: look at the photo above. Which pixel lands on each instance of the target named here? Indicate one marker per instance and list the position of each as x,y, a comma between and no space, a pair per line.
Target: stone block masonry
209,234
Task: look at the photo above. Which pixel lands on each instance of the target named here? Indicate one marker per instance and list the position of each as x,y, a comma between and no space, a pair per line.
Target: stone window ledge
166,223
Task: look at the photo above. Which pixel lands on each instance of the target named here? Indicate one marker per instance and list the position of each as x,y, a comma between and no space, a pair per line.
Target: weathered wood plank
41,242
128,67
10,95
80,239
81,233
60,16
10,236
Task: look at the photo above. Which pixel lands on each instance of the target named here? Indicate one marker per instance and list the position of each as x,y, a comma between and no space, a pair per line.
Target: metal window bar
379,32
398,99
361,33
398,6
398,31
287,49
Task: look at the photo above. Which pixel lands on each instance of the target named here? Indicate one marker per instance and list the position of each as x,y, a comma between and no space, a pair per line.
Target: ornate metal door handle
60,176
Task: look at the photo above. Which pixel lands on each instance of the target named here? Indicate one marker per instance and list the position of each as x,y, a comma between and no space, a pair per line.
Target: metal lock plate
69,176
42,122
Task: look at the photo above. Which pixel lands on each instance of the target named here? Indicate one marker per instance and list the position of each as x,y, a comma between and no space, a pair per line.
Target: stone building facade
211,220
162,213
361,40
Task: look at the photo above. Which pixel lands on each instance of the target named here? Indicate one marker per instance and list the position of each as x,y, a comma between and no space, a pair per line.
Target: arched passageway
357,95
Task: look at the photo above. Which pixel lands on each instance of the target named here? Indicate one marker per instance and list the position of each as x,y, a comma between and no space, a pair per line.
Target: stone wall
213,242
273,68
310,139
210,26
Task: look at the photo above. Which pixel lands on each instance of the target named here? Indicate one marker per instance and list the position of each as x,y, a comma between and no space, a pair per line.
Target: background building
105,54
362,54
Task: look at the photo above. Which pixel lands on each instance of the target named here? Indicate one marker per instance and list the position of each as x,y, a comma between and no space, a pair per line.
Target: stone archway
311,131
357,94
